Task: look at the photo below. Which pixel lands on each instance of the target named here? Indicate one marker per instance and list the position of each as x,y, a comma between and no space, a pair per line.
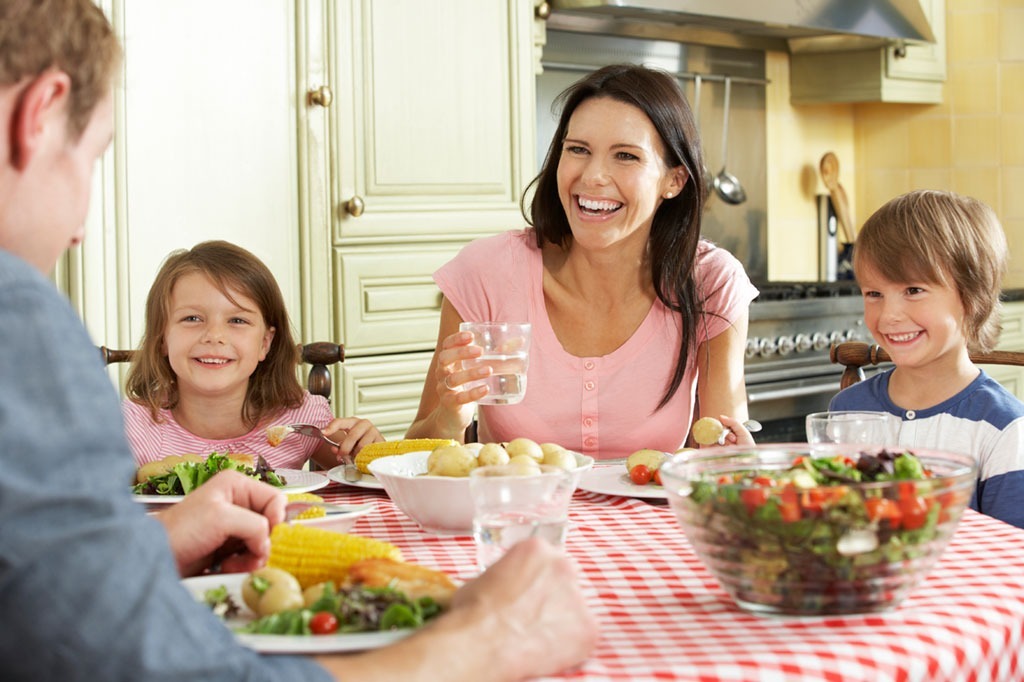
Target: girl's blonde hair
946,239
273,386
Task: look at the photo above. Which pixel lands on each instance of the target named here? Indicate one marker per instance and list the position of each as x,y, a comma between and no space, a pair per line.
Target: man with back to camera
90,585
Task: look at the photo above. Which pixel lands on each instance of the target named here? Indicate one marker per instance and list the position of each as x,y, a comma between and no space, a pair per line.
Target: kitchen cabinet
353,145
1012,338
913,74
428,144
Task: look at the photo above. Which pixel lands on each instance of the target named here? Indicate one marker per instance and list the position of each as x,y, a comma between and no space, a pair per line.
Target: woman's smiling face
612,176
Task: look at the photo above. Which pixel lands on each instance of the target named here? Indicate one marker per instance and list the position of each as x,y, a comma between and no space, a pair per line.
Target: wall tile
973,88
879,187
1011,87
975,141
932,178
1013,192
972,35
1011,140
930,143
980,183
1011,28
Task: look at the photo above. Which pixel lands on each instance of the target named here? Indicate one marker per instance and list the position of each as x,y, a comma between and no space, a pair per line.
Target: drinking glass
857,427
506,348
510,506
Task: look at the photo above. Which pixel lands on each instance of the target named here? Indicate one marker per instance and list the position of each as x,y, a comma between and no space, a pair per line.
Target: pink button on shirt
604,407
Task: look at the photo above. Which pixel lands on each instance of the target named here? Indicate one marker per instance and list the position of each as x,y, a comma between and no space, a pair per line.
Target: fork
296,507
352,474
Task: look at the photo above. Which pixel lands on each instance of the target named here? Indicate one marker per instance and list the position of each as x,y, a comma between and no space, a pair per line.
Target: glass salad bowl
828,529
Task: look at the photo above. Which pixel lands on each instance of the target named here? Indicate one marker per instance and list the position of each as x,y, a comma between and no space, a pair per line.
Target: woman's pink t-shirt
605,407
151,441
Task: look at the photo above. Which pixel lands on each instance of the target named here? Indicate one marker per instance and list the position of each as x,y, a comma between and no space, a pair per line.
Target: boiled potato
312,594
475,448
271,590
523,465
652,459
492,454
707,430
548,448
451,460
561,458
524,446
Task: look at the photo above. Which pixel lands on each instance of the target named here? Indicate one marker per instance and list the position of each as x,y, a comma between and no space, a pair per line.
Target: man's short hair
72,36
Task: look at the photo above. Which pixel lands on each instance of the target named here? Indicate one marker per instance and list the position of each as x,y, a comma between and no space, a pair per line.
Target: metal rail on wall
685,75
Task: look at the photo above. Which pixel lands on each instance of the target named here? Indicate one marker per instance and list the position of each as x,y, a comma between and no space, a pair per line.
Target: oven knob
785,345
767,347
835,337
752,346
819,341
803,343
851,335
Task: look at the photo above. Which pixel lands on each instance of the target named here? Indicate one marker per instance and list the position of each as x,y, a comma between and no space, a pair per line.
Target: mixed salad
795,536
351,609
185,477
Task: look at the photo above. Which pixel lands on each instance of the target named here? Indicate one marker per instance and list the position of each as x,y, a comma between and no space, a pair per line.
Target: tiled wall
972,143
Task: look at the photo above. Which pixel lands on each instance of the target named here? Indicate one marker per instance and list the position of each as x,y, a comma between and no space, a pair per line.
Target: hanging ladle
726,184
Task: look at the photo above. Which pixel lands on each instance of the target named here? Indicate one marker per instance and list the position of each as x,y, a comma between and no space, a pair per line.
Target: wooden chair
855,355
319,354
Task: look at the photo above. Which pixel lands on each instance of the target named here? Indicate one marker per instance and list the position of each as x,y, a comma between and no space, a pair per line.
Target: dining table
663,616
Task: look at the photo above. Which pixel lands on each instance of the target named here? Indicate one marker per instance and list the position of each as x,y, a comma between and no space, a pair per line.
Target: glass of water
510,506
856,427
506,347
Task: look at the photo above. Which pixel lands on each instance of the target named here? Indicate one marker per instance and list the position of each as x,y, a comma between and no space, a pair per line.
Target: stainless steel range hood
792,25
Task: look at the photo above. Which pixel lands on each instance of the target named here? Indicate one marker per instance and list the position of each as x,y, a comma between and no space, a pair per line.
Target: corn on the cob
396,447
314,555
312,512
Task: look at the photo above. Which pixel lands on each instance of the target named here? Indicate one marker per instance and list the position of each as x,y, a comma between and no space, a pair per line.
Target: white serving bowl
439,504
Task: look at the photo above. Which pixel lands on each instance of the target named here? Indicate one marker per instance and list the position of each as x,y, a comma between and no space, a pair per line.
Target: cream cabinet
354,145
913,74
1012,338
430,141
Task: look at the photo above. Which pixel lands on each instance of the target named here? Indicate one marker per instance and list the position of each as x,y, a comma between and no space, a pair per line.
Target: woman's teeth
595,207
213,361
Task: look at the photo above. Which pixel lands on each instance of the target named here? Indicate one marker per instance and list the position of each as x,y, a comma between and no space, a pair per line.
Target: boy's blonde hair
72,36
941,238
273,385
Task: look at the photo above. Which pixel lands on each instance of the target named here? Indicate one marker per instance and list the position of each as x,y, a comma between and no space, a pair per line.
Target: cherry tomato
753,498
656,477
883,509
640,475
323,623
915,512
790,505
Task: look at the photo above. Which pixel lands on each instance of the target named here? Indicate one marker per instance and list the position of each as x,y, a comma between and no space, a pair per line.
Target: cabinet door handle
355,206
321,97
542,11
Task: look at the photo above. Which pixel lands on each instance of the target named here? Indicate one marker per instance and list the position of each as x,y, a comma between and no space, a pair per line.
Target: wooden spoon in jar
829,167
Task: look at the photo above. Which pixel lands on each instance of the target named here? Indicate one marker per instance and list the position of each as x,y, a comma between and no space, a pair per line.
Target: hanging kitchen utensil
727,185
829,167
708,179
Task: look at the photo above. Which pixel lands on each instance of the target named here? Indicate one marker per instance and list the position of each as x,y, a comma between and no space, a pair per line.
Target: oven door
781,405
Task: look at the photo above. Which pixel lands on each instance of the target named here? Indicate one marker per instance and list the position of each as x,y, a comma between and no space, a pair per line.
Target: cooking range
788,371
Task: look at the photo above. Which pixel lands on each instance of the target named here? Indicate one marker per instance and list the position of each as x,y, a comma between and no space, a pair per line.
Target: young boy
930,266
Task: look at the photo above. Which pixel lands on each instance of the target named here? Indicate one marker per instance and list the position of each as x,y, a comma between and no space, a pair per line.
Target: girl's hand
352,434
737,433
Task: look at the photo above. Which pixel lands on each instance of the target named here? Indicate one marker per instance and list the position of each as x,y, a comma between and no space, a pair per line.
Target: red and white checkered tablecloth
664,617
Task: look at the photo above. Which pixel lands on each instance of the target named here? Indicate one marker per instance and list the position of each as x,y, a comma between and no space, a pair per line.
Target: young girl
930,266
216,367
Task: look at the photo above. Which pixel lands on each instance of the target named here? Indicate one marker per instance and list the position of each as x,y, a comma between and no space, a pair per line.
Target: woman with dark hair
636,320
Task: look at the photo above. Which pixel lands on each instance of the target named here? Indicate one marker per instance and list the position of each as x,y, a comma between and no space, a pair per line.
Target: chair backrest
319,354
855,355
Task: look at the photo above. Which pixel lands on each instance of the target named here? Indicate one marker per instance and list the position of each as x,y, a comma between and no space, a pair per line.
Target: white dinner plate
298,481
337,474
286,644
613,480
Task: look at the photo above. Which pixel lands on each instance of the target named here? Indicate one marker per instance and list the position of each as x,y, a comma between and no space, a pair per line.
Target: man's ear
41,111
